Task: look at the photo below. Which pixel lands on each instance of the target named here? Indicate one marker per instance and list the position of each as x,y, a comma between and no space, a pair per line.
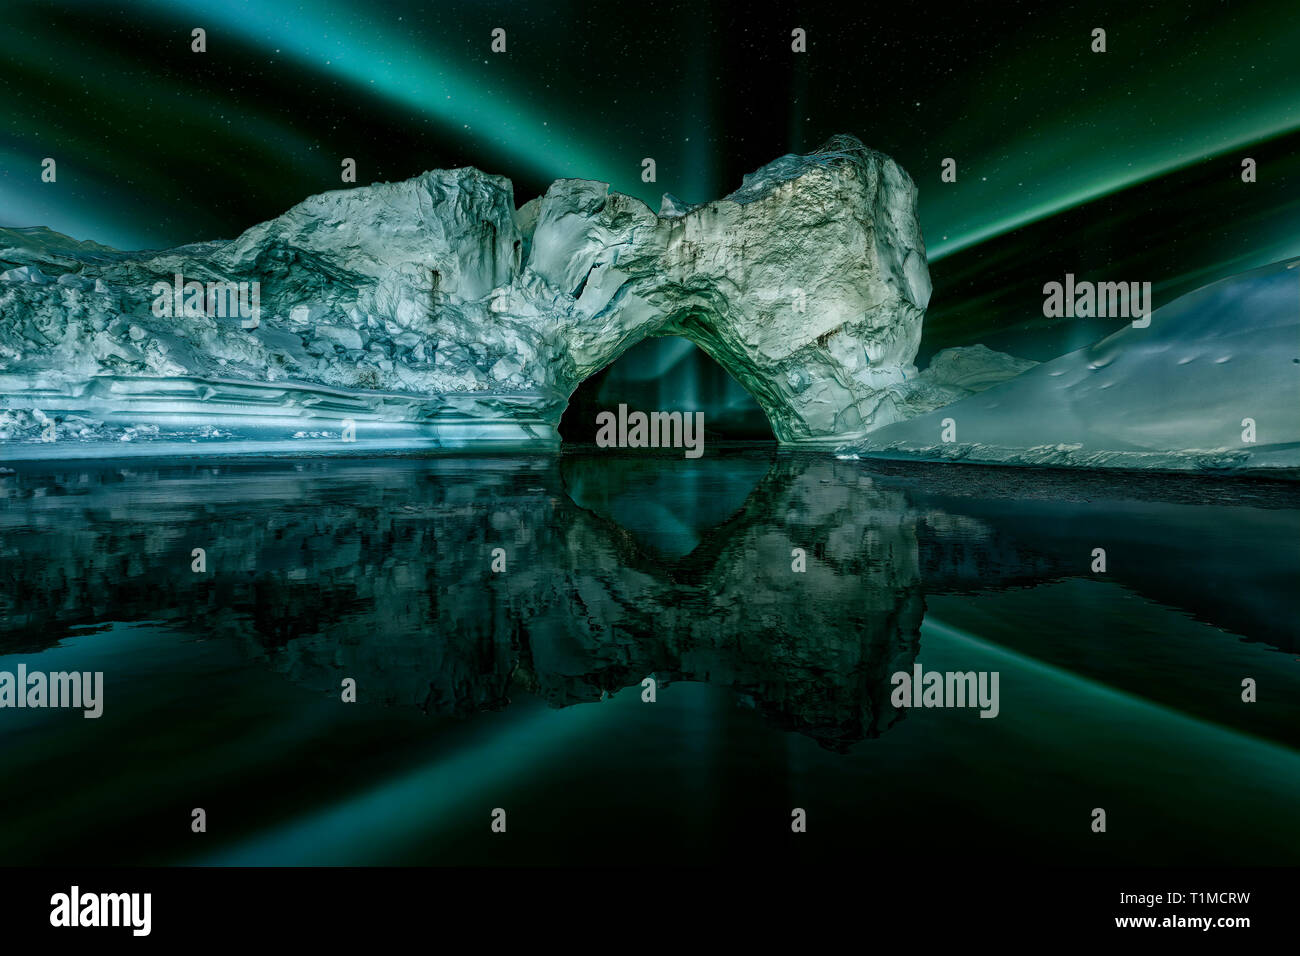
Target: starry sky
1122,165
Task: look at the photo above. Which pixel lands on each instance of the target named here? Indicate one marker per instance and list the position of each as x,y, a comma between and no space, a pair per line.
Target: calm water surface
523,689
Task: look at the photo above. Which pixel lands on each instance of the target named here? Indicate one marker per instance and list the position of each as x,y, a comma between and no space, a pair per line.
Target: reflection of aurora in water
618,567
621,567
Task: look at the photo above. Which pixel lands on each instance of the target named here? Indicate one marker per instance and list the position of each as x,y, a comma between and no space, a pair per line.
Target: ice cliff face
434,311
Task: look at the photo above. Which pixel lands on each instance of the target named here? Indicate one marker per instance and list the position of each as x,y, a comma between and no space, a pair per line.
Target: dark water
522,689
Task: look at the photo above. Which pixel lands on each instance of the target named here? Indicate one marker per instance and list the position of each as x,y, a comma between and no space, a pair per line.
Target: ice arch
667,374
807,285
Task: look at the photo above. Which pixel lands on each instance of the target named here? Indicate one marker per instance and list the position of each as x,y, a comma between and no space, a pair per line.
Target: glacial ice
433,312
952,375
1213,383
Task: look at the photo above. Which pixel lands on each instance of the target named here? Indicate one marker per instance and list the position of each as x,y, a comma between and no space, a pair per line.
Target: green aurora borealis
1099,164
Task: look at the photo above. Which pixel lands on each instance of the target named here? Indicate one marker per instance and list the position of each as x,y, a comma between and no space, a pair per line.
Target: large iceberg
1212,383
432,312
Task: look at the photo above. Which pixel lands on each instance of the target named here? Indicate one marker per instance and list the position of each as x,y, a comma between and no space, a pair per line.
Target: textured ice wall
1213,383
432,311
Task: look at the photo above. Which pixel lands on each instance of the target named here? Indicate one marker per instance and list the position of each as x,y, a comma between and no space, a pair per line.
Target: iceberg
433,313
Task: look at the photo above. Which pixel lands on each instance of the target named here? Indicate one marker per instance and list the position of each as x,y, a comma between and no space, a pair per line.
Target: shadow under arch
670,372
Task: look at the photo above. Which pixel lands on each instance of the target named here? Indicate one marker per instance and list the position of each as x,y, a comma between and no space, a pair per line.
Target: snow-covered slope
1212,383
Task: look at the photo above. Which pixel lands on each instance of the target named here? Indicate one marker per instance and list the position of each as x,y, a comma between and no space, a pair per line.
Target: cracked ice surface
432,312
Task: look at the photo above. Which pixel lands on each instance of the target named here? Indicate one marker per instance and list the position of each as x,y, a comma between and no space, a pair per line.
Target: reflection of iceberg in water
381,570
384,574
813,650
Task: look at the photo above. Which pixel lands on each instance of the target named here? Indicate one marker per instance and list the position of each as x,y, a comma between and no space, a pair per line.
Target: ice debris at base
1212,384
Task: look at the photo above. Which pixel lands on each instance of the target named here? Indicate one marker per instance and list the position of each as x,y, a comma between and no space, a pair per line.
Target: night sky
1123,165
